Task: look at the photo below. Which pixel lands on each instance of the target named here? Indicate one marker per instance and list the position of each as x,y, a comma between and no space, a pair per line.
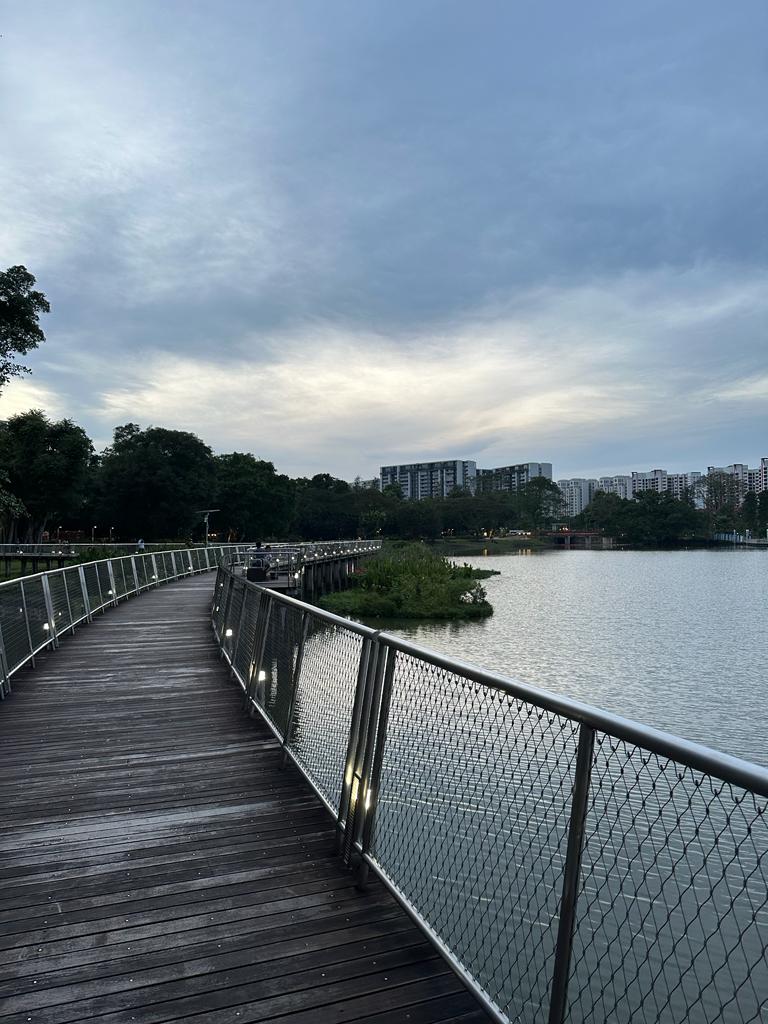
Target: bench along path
156,864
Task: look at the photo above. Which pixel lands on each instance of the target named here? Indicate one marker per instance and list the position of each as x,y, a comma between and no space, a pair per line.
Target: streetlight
205,512
93,534
110,533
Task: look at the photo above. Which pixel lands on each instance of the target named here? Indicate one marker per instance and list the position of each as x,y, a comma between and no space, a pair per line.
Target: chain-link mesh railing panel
472,823
231,623
144,570
247,635
166,562
75,593
118,570
13,625
92,586
37,611
107,593
61,616
323,704
220,598
672,918
197,557
129,576
275,682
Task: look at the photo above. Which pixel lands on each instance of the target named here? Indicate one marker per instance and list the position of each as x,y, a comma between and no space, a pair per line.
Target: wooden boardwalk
157,865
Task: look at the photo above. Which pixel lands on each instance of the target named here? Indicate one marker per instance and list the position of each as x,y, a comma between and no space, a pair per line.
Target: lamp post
111,530
93,533
205,512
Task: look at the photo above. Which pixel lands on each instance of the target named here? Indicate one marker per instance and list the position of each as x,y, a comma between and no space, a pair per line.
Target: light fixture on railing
46,627
227,632
262,676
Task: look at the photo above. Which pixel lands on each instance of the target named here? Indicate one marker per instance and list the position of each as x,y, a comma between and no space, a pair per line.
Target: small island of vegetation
408,581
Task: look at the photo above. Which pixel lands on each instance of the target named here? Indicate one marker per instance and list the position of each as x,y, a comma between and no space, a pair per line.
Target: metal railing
36,611
569,864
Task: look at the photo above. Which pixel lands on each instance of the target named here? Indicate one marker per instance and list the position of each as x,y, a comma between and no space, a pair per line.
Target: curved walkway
157,865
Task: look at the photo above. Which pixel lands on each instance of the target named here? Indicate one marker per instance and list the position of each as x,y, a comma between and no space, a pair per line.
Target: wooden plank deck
157,865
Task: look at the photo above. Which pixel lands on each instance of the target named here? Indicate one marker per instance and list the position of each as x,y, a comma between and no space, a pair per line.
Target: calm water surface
676,639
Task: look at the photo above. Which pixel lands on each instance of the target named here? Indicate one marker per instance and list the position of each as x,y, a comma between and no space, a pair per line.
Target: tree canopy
154,482
47,469
20,309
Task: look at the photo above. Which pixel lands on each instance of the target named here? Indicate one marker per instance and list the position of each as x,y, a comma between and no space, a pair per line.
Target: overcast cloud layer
351,233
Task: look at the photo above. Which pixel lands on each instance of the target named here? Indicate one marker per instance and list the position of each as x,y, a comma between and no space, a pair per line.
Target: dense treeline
154,483
654,519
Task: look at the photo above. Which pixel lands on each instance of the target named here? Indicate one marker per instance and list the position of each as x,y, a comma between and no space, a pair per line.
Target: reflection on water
676,639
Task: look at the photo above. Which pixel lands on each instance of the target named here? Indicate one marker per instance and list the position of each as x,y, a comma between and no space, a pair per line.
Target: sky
346,233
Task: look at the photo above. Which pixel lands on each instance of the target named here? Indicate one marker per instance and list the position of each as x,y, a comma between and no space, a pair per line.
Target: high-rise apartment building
418,480
577,494
747,479
512,478
653,480
621,485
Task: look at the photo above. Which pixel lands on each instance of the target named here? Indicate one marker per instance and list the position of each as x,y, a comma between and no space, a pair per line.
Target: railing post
571,875
26,620
367,653
295,684
259,646
49,610
175,567
360,763
374,757
112,583
372,779
84,589
155,576
5,675
136,583
69,603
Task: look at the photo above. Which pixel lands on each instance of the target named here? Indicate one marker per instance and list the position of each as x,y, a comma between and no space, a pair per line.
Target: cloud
23,394
564,370
407,230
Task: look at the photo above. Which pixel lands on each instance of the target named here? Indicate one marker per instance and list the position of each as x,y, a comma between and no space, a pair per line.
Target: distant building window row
419,480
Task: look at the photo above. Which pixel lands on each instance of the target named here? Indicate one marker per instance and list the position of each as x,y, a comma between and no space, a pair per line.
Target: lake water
675,639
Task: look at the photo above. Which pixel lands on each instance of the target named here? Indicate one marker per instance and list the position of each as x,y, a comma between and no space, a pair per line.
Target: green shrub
409,581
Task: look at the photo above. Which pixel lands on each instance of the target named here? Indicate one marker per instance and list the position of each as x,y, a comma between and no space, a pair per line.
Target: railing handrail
723,766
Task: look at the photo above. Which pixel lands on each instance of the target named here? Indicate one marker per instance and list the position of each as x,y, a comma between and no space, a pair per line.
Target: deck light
46,627
262,676
227,632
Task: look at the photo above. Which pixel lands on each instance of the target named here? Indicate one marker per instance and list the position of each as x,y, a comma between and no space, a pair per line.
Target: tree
47,465
721,500
253,499
762,511
153,483
20,309
540,502
748,517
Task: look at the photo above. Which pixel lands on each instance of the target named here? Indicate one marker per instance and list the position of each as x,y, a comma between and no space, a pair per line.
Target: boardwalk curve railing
568,863
37,610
